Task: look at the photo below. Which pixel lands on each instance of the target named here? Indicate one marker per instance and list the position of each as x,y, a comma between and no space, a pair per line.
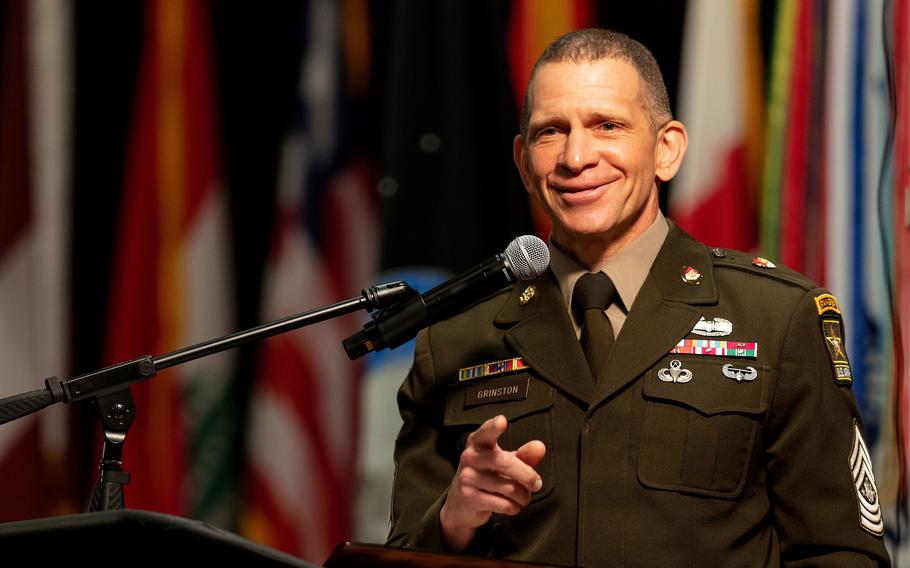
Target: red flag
794,178
169,261
20,450
715,195
533,24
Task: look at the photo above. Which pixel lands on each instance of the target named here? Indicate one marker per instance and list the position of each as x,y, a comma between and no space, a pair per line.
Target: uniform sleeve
424,457
822,490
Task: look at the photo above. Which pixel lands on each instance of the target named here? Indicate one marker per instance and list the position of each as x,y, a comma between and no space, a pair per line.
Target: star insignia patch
833,333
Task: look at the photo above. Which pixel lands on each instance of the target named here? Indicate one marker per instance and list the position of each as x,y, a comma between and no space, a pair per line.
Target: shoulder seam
772,273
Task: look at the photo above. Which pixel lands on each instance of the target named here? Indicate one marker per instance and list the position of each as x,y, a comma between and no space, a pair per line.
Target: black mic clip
387,296
382,301
390,298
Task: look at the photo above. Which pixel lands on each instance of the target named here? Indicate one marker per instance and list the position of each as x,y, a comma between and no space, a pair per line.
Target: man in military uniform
648,401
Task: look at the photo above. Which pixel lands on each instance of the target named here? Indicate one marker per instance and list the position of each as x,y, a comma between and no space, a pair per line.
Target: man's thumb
532,452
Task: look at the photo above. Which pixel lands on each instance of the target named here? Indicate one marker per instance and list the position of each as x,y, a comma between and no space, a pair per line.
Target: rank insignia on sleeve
870,511
833,333
826,303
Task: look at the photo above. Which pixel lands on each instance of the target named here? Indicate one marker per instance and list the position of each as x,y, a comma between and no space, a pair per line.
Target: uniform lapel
541,332
663,312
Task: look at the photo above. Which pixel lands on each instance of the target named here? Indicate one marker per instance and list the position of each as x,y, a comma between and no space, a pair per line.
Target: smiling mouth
563,189
573,189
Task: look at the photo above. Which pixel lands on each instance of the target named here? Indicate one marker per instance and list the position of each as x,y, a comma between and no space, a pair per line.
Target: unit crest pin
690,275
527,295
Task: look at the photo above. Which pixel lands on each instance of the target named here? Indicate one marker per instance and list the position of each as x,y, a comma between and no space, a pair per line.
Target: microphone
526,258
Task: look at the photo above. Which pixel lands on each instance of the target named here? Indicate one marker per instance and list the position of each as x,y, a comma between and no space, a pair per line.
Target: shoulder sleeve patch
826,303
833,333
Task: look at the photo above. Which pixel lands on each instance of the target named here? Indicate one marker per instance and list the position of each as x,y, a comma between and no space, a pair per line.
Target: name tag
497,390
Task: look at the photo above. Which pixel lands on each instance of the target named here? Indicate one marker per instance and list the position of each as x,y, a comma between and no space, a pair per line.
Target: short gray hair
590,45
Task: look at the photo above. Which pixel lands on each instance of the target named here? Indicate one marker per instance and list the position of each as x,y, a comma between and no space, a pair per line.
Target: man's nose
579,152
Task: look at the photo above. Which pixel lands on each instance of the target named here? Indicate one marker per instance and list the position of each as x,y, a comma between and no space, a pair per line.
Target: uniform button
719,252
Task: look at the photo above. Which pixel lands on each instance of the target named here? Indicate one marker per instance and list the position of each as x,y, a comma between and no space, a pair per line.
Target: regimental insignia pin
690,275
716,327
763,262
675,374
833,333
740,374
719,252
826,303
870,510
527,295
490,369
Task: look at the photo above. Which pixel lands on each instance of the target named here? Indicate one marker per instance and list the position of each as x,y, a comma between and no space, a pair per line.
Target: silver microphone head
529,257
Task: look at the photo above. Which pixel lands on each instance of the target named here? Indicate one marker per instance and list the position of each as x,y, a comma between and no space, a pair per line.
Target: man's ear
672,141
520,156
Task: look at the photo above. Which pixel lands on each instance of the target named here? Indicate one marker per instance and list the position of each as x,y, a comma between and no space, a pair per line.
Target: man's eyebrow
545,121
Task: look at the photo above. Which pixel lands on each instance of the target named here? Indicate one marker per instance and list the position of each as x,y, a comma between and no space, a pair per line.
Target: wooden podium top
351,554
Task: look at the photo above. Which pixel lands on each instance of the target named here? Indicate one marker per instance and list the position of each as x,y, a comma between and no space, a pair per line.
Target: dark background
437,68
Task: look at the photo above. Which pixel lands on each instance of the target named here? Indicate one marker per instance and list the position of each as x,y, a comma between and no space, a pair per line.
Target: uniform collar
679,253
537,323
627,269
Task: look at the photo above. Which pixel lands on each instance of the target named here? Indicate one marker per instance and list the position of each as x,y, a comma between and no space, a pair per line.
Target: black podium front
132,538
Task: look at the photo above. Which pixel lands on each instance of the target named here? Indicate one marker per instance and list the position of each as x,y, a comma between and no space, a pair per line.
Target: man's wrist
455,537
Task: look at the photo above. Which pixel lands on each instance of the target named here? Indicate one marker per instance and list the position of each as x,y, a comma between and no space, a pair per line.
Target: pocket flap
710,385
473,402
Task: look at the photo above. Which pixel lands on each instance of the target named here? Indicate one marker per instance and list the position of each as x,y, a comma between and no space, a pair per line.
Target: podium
351,555
133,538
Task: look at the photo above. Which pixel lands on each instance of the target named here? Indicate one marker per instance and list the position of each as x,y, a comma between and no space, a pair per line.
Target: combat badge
716,327
870,511
763,262
833,332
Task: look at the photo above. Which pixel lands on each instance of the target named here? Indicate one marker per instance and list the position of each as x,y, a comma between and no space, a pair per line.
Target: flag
301,445
533,24
33,198
897,34
171,284
715,195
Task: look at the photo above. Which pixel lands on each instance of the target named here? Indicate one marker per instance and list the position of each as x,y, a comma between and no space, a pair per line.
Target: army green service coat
641,471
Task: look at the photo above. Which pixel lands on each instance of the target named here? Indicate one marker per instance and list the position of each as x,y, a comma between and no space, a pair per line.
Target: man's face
590,155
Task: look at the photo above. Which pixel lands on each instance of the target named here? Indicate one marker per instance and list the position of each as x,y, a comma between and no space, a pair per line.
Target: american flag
303,411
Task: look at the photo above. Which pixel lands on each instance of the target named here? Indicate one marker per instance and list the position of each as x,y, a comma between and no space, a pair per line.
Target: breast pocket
523,399
701,421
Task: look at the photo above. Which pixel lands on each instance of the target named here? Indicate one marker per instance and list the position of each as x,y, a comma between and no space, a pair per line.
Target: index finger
489,432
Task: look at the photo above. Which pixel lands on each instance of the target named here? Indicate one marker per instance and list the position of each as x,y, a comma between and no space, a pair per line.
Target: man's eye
608,126
550,131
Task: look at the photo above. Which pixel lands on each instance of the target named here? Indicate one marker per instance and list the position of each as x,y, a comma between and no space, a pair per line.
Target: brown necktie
593,293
